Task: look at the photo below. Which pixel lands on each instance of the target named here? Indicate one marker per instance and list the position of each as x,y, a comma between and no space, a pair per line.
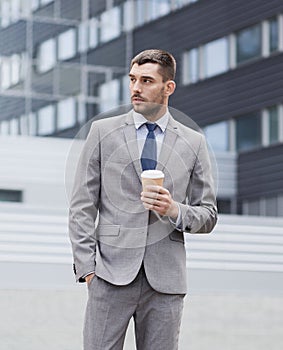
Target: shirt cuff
178,222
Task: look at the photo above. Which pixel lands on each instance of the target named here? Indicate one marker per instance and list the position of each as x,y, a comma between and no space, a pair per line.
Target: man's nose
137,86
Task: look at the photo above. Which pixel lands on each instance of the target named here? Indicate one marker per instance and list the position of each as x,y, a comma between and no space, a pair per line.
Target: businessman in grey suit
134,259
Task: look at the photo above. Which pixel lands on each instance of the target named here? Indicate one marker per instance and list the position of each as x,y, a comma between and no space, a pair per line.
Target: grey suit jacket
108,186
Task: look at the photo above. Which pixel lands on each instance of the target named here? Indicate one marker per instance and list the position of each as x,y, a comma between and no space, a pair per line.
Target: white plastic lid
152,174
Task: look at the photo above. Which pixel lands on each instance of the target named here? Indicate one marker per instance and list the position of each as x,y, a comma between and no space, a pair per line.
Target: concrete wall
37,166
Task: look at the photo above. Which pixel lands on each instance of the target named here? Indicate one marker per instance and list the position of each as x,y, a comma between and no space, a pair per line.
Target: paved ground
52,320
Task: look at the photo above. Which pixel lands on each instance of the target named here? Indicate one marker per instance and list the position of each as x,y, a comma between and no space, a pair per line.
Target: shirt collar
162,122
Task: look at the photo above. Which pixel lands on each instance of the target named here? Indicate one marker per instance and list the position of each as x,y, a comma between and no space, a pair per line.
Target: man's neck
156,116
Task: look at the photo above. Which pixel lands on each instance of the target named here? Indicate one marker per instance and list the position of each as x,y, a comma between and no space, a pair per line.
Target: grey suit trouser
157,316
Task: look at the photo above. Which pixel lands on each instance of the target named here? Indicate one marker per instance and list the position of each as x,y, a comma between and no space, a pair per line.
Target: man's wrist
173,211
178,221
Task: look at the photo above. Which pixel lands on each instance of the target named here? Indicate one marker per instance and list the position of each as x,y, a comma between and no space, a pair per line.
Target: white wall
37,167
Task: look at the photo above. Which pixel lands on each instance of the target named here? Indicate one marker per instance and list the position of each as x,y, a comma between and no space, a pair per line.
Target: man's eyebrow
147,77
143,76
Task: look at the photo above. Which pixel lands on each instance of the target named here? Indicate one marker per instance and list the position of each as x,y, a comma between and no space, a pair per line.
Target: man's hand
159,199
88,278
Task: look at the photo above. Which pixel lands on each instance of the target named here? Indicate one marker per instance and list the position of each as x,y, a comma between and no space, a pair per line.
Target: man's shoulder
111,122
187,129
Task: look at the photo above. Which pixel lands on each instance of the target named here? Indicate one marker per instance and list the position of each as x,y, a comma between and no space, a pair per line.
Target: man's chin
139,108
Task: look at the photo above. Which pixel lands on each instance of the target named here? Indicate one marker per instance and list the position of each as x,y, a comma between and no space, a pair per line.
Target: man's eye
147,81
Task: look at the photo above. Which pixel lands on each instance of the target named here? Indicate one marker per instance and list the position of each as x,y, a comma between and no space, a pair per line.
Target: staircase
242,243
34,241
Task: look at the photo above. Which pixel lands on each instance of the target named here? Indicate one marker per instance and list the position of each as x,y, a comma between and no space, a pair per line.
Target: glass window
271,206
128,15
126,90
273,116
5,13
23,65
217,136
216,57
248,43
66,113
32,124
26,8
34,4
93,33
273,35
5,128
47,55
46,120
191,66
158,8
224,206
11,195
15,69
67,44
83,37
5,73
15,10
45,2
23,125
14,126
254,207
81,111
140,12
180,3
109,100
110,24
248,132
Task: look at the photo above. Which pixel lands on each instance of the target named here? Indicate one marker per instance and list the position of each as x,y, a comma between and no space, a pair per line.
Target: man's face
147,89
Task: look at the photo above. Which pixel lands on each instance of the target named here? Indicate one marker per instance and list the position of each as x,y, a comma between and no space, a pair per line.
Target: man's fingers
151,195
156,189
88,278
156,198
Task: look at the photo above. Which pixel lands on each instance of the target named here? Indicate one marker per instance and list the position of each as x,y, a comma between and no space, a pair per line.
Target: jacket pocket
108,230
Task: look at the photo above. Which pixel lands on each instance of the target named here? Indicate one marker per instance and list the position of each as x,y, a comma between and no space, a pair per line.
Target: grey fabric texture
108,184
157,316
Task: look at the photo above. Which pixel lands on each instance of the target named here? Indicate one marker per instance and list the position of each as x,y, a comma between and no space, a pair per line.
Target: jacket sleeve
199,213
84,206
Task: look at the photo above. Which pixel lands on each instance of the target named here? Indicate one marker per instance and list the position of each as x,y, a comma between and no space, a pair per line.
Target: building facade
64,61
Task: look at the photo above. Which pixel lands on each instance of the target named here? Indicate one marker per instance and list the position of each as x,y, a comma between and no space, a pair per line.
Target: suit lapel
170,138
132,144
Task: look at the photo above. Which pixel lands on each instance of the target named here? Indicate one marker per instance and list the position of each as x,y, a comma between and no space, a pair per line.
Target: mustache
137,96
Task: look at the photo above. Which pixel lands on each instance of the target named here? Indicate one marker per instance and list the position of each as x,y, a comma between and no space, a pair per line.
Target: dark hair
163,58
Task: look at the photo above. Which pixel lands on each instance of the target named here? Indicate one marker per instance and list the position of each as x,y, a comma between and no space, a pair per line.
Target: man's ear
170,87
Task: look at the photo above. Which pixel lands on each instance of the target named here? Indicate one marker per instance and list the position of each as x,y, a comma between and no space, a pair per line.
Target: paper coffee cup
152,177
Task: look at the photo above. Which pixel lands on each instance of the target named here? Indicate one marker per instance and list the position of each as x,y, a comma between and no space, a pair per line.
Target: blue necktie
149,152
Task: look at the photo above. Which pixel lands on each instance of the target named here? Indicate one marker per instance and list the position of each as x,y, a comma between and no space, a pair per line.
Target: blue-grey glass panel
273,34
248,132
273,124
217,136
11,196
248,43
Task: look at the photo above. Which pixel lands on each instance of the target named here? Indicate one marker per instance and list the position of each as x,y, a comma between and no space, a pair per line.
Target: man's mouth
137,99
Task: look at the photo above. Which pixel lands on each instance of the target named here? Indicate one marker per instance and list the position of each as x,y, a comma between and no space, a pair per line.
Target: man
134,260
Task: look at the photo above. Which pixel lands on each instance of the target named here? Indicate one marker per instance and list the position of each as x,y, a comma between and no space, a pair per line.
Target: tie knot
150,126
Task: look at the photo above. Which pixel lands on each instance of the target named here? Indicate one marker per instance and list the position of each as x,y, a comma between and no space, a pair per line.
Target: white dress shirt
142,130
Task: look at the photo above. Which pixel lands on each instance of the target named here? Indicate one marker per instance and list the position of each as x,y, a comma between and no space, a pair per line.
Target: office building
65,61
